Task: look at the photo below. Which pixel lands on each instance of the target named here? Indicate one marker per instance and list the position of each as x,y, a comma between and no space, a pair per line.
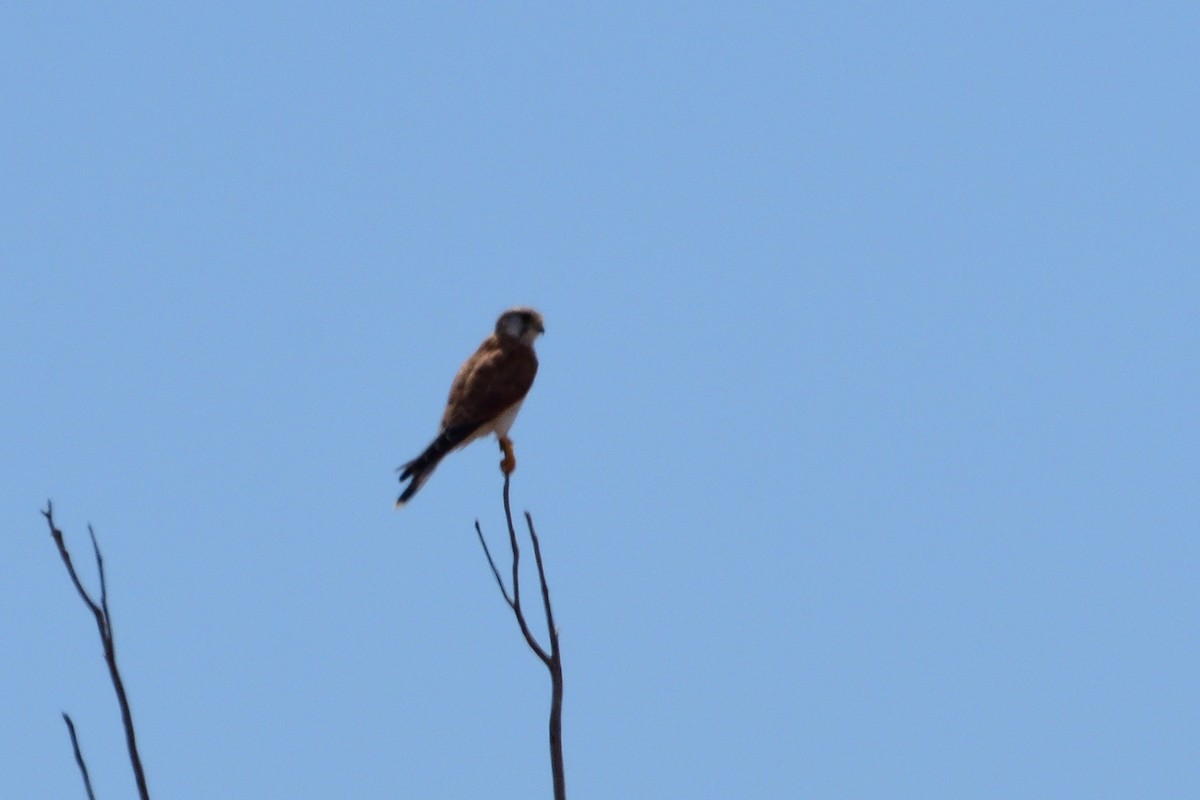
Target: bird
485,396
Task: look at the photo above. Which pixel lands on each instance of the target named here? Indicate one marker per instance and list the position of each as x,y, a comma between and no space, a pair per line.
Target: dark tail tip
421,467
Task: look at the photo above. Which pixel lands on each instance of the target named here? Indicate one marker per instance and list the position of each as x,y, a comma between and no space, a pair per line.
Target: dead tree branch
83,770
550,657
104,626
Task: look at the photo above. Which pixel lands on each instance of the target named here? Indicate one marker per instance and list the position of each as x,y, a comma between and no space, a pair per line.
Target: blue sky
863,449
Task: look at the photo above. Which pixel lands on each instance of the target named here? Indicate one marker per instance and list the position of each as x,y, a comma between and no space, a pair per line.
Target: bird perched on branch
485,397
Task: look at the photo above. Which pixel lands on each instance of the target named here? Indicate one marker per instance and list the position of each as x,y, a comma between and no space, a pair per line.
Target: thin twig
537,557
516,551
556,673
103,583
492,564
104,625
83,770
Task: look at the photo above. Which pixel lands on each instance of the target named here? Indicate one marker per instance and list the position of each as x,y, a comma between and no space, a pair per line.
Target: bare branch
556,673
514,602
551,659
103,582
492,564
66,557
537,556
104,626
83,770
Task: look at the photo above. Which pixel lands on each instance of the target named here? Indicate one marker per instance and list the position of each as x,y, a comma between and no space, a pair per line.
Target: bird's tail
421,467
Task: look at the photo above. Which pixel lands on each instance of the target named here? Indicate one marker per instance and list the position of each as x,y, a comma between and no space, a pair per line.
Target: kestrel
485,397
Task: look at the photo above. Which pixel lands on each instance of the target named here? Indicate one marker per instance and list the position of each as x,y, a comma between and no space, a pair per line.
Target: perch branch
552,657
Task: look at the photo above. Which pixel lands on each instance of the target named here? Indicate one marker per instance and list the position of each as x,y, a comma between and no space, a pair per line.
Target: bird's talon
510,460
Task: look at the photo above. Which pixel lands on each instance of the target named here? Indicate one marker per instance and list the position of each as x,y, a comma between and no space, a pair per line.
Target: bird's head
521,323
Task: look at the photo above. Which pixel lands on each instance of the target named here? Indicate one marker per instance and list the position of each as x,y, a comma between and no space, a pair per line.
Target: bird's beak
541,328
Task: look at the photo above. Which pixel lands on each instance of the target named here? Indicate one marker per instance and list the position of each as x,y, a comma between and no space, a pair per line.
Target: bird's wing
498,375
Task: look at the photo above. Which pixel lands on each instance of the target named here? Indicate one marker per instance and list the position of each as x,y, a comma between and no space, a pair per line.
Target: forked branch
104,626
550,656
